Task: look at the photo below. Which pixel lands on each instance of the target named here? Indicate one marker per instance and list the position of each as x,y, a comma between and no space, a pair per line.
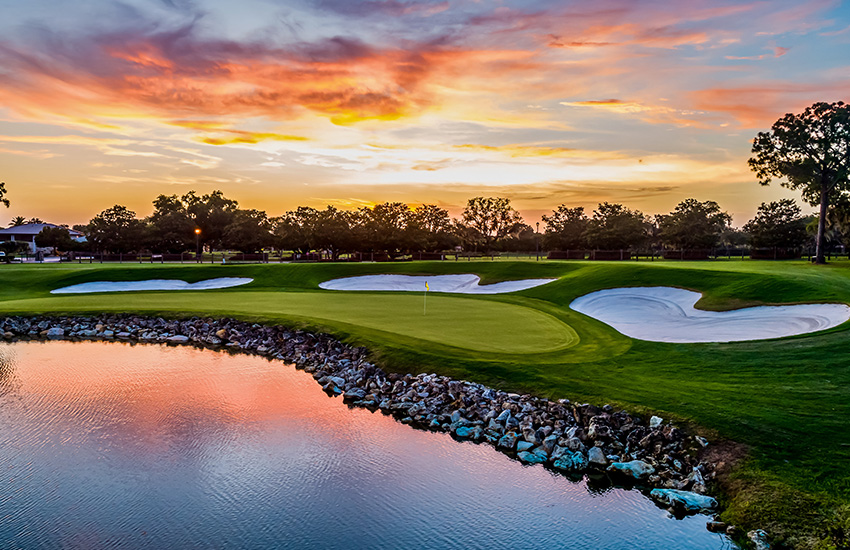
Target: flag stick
425,300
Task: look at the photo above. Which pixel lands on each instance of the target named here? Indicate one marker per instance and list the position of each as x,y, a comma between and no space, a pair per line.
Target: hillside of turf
788,400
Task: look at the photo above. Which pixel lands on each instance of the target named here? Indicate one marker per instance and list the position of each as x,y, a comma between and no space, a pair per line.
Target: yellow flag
426,286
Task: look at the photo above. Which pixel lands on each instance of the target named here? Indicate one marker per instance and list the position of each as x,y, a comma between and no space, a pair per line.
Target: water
119,446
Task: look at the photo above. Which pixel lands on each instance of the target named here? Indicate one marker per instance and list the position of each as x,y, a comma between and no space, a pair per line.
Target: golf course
783,402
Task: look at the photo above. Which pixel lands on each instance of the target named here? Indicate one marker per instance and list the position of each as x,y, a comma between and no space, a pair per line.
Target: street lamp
198,244
537,240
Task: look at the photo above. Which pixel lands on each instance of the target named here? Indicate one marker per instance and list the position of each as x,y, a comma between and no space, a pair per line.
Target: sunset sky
346,102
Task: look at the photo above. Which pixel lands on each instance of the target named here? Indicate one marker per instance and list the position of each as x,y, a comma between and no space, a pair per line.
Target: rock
524,446
637,469
759,539
549,443
655,421
55,332
701,440
530,458
178,339
464,432
504,416
507,441
685,501
354,394
221,334
596,458
571,462
338,381
716,526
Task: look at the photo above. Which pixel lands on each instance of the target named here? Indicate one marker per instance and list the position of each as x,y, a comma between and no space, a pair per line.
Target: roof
26,229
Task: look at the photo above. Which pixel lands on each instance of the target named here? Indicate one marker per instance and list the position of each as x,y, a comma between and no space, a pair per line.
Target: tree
386,226
171,229
35,220
430,228
17,221
777,224
3,199
250,231
294,230
116,229
491,218
693,225
56,238
210,213
811,151
615,227
565,228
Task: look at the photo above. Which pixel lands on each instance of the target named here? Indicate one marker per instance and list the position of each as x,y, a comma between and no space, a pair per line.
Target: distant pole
537,240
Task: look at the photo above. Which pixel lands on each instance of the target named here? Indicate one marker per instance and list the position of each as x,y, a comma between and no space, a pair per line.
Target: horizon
349,104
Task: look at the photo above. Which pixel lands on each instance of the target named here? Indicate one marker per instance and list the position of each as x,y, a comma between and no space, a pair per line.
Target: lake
109,445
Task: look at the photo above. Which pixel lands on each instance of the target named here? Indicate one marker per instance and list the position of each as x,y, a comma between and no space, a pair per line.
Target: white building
27,233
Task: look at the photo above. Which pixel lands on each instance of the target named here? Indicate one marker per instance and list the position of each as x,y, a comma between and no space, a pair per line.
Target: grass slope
787,399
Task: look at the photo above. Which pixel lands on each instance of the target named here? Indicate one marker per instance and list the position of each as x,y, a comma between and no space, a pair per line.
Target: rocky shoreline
571,438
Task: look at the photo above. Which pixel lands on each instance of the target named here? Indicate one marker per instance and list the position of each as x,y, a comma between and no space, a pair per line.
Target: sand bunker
152,284
455,284
665,314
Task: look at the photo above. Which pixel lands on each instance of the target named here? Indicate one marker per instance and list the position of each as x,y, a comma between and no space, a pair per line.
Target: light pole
198,244
537,240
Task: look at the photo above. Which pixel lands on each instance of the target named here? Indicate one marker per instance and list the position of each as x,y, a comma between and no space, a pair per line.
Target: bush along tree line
487,225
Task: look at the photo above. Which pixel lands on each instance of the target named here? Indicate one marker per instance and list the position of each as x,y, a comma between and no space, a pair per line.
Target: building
27,233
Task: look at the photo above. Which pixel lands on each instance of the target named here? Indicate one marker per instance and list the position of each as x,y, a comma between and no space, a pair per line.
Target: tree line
487,224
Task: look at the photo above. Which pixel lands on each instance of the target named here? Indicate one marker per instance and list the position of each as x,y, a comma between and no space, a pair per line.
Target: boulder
596,458
524,446
178,339
637,469
759,539
530,458
571,461
507,441
55,332
685,501
655,421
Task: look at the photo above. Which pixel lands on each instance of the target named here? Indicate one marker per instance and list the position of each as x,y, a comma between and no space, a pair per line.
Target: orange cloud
249,138
759,106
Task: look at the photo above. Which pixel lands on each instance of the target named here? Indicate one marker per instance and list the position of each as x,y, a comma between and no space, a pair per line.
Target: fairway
470,324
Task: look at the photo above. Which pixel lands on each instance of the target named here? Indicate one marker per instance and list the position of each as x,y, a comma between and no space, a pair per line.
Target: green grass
787,399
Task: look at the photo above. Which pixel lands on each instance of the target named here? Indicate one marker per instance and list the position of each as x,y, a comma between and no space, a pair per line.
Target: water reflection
108,445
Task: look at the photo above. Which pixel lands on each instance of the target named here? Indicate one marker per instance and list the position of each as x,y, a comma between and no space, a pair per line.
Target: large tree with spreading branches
808,152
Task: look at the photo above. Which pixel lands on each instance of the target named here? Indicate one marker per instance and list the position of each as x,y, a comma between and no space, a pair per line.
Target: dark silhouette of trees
3,199
170,227
116,229
385,227
294,230
777,224
211,213
615,227
249,231
56,238
431,229
491,218
565,228
811,151
17,221
693,225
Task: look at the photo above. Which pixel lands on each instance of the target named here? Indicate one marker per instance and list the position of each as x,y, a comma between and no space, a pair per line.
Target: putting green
471,324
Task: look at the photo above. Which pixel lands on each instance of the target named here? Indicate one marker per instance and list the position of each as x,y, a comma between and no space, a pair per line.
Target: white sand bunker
456,284
665,314
152,284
